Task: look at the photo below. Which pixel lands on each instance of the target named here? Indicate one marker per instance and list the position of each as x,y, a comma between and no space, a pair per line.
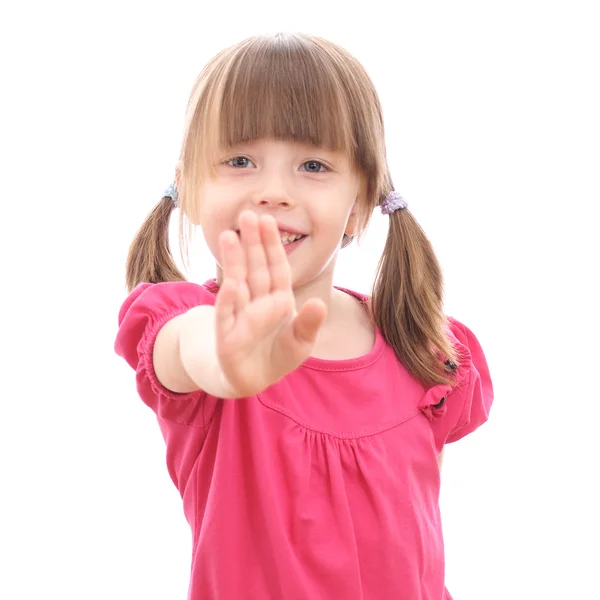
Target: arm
185,356
253,336
441,459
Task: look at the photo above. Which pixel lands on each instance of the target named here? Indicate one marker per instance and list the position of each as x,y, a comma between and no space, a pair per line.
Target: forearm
198,352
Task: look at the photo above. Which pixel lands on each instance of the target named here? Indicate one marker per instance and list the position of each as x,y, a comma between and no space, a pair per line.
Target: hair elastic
393,202
171,192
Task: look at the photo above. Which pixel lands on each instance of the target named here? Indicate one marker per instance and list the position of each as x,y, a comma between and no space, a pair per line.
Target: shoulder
470,401
150,305
157,297
470,350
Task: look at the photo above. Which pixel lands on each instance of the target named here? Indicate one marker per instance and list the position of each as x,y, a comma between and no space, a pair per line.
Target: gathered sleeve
457,410
144,312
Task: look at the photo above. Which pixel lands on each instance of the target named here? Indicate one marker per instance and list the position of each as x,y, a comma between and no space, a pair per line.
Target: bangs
285,91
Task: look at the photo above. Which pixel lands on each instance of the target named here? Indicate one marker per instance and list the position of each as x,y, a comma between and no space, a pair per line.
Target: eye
314,166
239,162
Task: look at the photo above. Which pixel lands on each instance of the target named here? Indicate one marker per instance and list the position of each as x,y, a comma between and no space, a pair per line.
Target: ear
352,223
354,218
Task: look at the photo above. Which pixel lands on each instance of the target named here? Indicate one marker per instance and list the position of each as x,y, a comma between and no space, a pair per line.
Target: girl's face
309,190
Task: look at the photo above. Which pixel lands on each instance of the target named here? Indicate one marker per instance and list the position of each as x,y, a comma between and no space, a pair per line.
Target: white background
493,127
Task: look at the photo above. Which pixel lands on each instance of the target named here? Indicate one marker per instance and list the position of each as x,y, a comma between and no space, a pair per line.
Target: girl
303,422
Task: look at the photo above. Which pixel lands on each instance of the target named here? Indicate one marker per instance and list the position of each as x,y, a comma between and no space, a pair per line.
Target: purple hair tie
171,192
393,202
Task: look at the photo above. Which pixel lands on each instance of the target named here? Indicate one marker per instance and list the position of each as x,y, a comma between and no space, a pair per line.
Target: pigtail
407,303
150,259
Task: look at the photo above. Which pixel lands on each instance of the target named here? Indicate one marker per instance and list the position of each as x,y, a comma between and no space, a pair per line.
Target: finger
257,271
233,262
225,308
308,321
279,266
233,265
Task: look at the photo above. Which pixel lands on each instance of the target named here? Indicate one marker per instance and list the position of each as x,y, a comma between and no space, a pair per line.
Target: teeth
288,238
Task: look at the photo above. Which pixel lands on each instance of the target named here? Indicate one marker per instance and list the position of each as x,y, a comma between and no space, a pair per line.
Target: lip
293,245
286,228
289,229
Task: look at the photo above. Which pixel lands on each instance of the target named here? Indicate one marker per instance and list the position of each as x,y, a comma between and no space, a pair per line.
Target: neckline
346,364
349,364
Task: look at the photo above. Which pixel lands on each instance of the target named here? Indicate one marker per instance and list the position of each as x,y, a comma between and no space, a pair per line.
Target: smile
292,243
289,238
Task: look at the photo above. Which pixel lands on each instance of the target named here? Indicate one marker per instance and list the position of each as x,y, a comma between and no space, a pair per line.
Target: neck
320,287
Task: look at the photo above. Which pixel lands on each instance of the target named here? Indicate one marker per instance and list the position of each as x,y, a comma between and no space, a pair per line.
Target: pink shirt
324,486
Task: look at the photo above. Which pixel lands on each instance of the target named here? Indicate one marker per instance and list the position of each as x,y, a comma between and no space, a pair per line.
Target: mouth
286,237
290,238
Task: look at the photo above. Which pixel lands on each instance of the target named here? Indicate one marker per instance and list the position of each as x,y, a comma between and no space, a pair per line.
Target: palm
260,338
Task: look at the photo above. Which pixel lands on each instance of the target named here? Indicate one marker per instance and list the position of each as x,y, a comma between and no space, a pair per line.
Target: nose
272,191
270,200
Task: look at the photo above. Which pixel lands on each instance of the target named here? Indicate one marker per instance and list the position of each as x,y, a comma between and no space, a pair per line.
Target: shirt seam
340,434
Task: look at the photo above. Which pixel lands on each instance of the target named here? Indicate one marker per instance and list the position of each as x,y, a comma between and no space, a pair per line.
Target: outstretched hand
260,336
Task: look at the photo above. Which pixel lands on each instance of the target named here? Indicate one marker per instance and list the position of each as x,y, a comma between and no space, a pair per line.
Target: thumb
309,319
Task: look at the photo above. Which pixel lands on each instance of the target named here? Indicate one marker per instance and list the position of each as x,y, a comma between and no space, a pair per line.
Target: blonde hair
305,88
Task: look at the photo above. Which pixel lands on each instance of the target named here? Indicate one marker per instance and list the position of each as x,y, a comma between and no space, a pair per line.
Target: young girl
303,422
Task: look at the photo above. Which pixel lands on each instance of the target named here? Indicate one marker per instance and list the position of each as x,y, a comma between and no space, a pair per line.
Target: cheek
333,214
211,233
216,215
214,210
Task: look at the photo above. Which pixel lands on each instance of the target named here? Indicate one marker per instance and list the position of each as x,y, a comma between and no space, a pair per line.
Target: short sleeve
476,392
144,312
455,411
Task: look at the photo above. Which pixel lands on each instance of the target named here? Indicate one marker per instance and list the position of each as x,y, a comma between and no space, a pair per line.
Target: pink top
324,486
